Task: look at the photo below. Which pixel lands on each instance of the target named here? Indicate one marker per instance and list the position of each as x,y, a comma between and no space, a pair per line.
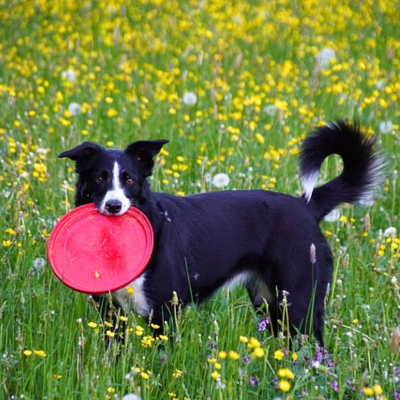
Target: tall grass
263,77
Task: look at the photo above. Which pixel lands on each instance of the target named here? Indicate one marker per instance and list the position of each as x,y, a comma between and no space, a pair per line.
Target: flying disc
94,253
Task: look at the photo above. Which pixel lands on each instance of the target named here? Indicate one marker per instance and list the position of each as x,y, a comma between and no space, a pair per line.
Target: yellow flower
10,231
144,375
7,243
112,112
110,334
258,352
109,324
377,389
368,391
284,385
294,356
28,352
233,355
154,326
110,390
243,339
130,290
285,373
254,343
260,138
279,354
222,355
177,374
215,375
92,325
212,360
40,353
123,318
164,337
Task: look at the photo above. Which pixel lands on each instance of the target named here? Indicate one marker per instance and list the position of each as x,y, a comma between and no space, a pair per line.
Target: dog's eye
98,179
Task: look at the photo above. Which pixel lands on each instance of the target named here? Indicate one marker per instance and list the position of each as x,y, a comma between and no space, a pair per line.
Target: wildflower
7,243
385,127
177,374
324,57
253,380
130,290
189,99
254,343
108,324
377,389
220,180
284,385
28,352
294,356
154,326
222,355
123,318
260,138
69,75
217,365
111,113
279,354
110,334
262,325
233,355
164,338
390,232
144,375
110,390
335,386
368,391
270,110
92,325
243,339
40,353
10,231
131,396
74,108
39,264
215,375
258,352
285,373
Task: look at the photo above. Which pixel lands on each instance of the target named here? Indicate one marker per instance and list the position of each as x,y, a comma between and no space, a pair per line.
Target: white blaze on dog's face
115,201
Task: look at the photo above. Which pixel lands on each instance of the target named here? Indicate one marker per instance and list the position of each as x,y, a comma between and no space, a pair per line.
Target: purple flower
253,381
335,386
275,382
245,359
396,395
262,325
350,385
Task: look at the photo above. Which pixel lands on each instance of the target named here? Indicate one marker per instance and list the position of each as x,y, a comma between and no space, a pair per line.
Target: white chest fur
136,301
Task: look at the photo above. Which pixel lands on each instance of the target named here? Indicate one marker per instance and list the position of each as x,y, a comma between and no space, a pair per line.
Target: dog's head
113,179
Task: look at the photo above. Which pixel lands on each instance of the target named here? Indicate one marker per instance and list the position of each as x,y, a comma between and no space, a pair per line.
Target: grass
258,71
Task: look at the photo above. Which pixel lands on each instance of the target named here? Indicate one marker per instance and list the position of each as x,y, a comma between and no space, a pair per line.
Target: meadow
235,87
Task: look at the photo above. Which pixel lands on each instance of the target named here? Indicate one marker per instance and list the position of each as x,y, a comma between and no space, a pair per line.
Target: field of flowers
235,87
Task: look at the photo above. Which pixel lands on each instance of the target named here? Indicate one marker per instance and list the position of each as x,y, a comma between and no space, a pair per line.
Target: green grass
133,62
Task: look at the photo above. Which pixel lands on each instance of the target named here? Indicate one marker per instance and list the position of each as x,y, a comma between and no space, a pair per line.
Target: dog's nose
113,206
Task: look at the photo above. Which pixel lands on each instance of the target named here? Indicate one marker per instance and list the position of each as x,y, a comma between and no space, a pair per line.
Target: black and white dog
269,242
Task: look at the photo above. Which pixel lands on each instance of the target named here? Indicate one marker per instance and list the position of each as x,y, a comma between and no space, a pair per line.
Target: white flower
38,264
270,110
385,127
220,180
333,216
189,98
69,75
324,57
131,396
390,232
74,108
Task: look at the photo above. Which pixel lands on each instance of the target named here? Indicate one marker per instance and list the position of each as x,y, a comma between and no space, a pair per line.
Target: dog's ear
144,151
84,155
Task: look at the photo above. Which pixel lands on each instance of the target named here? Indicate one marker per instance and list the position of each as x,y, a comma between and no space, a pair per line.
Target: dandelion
385,127
220,180
390,232
189,99
324,57
270,110
74,108
69,75
38,264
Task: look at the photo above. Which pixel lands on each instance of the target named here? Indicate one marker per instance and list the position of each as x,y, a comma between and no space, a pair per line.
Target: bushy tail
362,173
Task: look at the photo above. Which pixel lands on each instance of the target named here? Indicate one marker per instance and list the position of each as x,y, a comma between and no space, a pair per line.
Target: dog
269,242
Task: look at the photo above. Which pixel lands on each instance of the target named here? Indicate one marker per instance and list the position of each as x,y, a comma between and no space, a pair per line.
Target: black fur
204,240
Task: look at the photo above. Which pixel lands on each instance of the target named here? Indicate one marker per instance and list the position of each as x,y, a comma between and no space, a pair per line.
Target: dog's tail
362,173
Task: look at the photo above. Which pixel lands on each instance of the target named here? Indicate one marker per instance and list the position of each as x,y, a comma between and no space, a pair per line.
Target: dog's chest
133,297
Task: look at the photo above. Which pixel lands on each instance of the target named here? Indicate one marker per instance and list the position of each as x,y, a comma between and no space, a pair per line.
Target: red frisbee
94,253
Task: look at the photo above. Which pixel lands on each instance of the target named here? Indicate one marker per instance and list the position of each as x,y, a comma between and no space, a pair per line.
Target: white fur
255,282
137,302
117,193
309,181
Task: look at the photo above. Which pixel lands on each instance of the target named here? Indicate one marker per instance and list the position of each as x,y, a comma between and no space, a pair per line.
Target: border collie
269,242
